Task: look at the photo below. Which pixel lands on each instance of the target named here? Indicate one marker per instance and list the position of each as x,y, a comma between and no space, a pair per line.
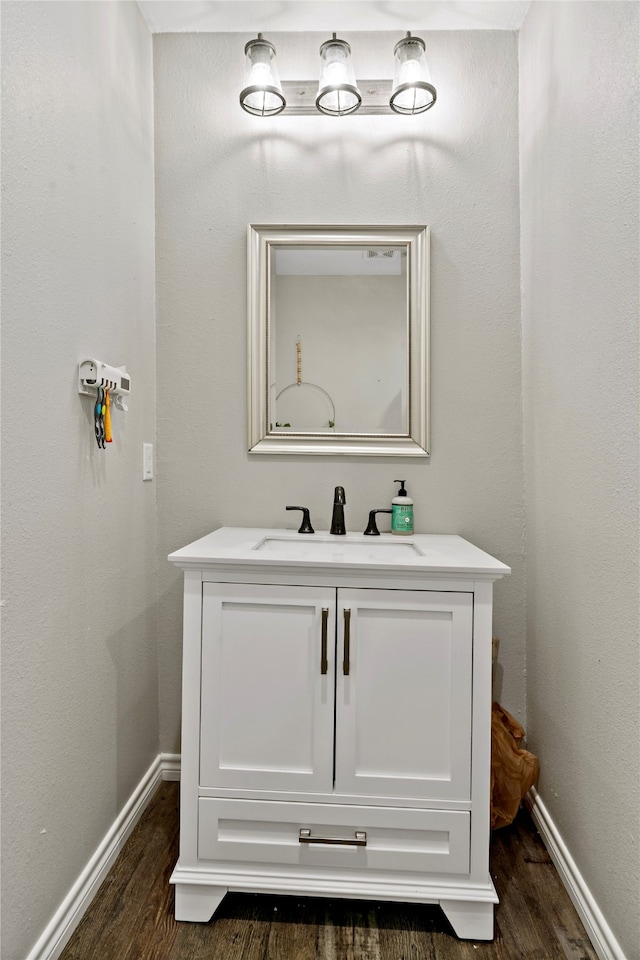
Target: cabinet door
403,694
267,687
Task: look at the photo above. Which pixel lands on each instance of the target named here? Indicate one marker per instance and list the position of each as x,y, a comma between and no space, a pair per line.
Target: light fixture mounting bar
301,98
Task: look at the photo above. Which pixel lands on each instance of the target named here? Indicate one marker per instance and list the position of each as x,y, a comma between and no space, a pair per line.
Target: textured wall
79,663
456,169
579,167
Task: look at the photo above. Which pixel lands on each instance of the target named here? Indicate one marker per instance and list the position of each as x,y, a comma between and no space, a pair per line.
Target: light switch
147,461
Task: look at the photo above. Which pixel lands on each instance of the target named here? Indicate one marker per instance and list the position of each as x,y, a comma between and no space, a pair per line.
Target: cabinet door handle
324,665
359,840
347,642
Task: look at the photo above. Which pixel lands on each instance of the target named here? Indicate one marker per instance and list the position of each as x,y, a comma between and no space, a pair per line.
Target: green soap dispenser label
402,517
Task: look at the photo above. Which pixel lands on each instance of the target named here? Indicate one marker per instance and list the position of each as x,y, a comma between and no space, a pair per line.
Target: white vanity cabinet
336,722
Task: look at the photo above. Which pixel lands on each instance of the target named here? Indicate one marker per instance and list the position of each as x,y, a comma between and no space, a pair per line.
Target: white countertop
259,547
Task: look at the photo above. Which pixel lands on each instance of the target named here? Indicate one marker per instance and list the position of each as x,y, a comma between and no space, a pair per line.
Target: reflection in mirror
338,340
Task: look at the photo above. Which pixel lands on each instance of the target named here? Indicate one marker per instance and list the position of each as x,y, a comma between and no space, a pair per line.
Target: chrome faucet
337,517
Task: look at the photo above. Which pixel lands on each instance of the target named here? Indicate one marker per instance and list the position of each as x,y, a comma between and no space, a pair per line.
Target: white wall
579,212
455,169
79,654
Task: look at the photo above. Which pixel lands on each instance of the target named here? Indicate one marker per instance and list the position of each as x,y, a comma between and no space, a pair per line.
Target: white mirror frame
262,238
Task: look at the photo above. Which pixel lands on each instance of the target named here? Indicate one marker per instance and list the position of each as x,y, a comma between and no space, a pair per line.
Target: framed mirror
338,340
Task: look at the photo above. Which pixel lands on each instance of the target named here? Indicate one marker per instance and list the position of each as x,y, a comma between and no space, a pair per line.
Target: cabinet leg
470,921
197,902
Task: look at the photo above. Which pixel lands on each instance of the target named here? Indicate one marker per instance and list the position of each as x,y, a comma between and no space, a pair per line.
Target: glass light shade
338,92
262,93
412,90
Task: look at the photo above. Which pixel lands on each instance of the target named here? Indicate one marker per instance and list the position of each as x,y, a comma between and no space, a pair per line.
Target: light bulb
260,75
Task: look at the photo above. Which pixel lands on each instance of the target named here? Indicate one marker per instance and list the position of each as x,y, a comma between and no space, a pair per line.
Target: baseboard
72,909
599,931
170,766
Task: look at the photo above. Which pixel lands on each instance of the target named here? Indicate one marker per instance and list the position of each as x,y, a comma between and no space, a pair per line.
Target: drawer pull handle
347,643
324,665
359,840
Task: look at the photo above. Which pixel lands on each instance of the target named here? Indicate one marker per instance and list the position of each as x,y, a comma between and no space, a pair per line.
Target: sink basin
338,549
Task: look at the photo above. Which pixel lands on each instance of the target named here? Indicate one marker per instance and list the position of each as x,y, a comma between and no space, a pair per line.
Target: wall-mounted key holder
93,374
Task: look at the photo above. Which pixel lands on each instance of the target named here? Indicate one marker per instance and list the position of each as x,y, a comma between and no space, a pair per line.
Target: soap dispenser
402,512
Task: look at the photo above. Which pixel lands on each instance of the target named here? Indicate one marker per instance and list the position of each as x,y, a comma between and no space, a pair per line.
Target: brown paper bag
513,770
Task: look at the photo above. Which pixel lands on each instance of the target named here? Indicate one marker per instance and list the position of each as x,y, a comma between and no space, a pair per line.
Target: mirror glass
338,340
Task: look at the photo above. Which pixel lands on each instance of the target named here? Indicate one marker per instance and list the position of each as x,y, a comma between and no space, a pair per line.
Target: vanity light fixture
262,93
338,94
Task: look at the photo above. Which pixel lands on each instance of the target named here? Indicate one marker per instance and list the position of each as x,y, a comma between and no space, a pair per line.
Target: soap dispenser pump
402,512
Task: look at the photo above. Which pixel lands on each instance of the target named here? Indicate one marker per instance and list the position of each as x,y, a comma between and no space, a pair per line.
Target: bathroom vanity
336,725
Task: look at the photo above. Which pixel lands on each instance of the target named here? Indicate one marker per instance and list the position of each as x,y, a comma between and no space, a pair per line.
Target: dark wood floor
131,917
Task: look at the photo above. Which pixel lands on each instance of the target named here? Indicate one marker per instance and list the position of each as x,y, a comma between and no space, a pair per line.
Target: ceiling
249,16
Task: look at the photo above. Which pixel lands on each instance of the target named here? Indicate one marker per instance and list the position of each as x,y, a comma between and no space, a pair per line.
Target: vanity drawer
368,838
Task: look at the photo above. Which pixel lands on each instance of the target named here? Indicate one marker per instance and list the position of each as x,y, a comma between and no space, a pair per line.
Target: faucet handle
372,530
305,526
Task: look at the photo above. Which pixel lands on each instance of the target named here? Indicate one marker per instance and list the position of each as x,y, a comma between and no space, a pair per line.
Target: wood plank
239,931
536,914
295,927
115,919
131,917
355,930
